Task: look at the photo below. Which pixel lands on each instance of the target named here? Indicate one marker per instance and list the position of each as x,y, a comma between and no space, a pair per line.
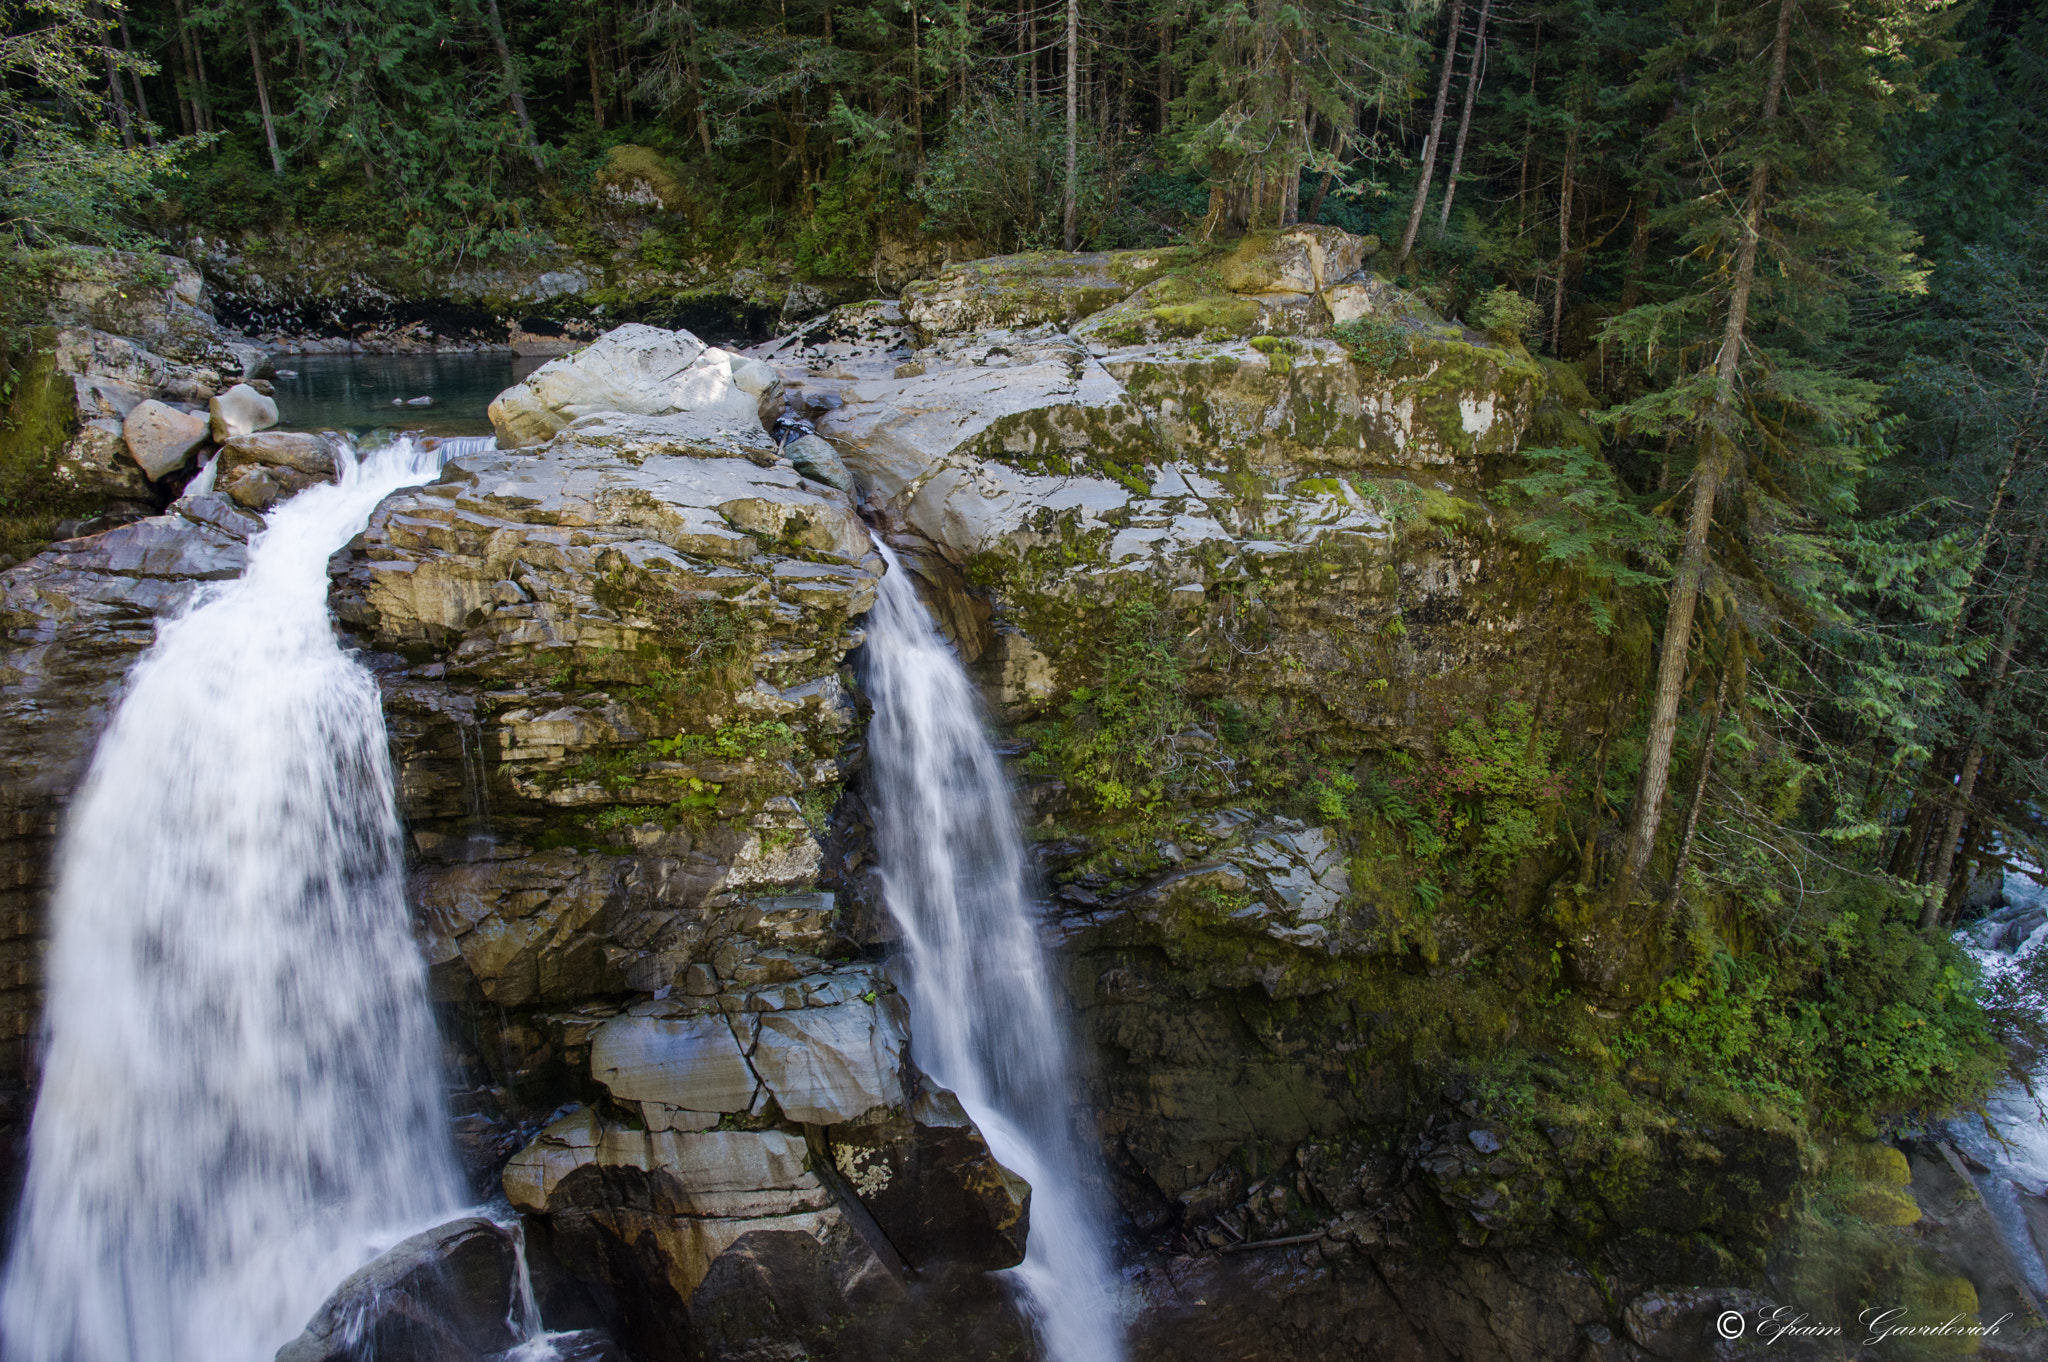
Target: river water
240,1099
985,1019
375,392
2009,1139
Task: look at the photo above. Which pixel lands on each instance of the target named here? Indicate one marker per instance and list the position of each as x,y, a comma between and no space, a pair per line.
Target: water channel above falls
374,392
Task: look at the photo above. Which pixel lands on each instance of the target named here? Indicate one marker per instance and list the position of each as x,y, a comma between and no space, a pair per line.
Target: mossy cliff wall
1306,734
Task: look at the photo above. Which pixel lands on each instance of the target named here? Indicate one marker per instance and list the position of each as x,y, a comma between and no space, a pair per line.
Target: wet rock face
628,741
259,469
450,1294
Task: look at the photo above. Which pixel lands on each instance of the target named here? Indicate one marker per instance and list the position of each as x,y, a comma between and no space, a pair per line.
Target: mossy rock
1875,1163
1035,288
1882,1206
1303,259
1935,1301
641,177
36,489
1192,305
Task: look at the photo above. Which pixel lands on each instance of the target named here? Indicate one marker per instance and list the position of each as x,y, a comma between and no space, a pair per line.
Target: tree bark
1973,760
195,114
1473,80
1699,795
263,97
1436,128
135,79
1165,73
916,86
513,94
1071,216
1717,450
120,103
1638,257
1564,236
596,83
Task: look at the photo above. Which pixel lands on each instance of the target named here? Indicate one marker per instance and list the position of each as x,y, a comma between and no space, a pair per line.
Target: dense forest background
1786,257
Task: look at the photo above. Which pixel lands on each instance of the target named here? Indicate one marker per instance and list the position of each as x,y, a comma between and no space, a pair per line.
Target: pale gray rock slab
241,410
827,1065
98,355
691,1063
160,437
635,370
817,460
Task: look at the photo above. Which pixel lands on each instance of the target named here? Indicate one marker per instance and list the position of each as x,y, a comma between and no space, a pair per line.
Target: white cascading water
240,1099
2008,1136
984,1019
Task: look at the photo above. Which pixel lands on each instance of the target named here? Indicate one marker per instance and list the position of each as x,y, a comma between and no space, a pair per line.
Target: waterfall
2007,1137
240,1099
985,1021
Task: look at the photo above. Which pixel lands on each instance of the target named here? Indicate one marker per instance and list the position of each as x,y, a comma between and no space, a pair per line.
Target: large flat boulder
684,1071
1036,288
829,1065
261,468
638,370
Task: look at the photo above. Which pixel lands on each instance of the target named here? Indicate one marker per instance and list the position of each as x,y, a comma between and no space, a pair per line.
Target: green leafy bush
1374,342
1504,315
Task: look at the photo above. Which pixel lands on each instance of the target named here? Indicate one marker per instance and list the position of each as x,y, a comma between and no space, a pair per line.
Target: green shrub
1504,315
1374,342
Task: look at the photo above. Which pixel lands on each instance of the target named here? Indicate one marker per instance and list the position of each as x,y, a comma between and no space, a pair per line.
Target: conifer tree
1773,130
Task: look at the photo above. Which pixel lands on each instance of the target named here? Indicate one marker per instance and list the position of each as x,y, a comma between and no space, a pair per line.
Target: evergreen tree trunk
1973,760
120,104
916,88
596,83
513,93
1716,452
1564,236
1699,797
1475,77
135,79
1436,128
1638,258
196,115
1165,73
263,97
1071,216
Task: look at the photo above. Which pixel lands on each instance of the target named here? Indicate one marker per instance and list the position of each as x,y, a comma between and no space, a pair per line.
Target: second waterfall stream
985,1019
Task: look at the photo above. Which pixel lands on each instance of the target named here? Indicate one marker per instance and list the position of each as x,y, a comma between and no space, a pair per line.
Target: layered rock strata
619,668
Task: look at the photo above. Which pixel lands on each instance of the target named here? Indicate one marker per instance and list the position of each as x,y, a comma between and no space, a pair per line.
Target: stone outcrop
642,371
449,1294
618,670
626,646
160,436
240,410
261,469
136,346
